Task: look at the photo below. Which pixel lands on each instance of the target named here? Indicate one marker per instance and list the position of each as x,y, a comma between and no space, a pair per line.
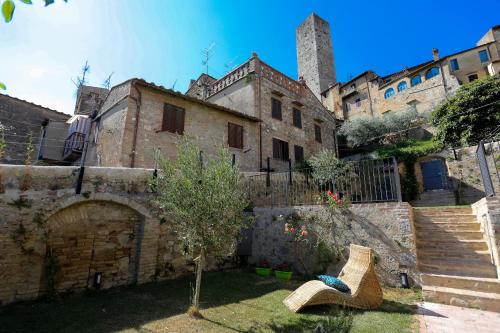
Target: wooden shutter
299,153
276,148
168,118
317,133
239,137
297,118
285,155
179,120
276,109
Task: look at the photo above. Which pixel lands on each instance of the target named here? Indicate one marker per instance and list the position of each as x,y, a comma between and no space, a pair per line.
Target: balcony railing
73,146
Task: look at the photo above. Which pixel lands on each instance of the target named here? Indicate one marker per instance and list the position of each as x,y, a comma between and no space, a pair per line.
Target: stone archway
92,236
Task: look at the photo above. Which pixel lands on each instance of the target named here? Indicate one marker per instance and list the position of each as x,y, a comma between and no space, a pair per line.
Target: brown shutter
276,148
239,137
299,153
230,135
286,155
297,119
317,133
179,120
276,108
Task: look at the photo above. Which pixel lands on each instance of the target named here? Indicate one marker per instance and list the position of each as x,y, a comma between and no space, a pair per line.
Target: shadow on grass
133,306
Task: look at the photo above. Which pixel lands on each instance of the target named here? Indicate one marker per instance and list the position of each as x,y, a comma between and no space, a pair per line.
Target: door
433,175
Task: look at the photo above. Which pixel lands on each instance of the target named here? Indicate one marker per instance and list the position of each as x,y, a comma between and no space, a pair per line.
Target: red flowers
296,232
334,200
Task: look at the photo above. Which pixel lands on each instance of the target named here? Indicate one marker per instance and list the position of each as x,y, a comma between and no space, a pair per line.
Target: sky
43,49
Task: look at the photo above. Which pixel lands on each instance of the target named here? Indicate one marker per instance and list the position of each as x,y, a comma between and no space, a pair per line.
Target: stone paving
438,318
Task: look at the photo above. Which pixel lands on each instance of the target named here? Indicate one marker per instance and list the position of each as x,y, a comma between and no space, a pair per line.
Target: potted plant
263,269
283,271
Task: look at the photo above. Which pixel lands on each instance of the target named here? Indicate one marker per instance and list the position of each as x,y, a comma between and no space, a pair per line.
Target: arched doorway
91,237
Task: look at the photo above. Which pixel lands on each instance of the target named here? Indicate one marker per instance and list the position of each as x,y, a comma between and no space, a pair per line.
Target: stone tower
315,54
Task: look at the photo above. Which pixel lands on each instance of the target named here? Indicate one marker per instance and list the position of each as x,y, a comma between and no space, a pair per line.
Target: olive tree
204,201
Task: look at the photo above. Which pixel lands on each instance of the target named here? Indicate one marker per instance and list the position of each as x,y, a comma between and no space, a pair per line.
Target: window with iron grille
317,133
298,152
276,108
235,136
297,118
280,149
454,65
173,119
483,56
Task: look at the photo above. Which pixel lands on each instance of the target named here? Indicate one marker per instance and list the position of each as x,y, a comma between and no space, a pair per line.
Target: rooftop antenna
230,64
173,85
207,53
107,83
82,78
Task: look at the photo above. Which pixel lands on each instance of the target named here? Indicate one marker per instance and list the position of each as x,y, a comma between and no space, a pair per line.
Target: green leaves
8,8
2,86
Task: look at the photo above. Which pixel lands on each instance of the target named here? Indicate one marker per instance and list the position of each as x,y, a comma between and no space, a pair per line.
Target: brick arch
103,197
102,233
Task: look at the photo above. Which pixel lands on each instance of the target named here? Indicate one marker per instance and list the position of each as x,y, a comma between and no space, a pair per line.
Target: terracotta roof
37,105
188,98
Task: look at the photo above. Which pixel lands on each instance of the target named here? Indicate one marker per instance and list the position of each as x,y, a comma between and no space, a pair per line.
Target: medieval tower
315,54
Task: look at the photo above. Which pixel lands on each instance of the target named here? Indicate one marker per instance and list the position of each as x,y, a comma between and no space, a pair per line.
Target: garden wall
487,211
53,240
385,227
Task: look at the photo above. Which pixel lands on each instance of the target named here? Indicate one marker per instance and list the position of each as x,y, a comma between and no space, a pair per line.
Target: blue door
433,175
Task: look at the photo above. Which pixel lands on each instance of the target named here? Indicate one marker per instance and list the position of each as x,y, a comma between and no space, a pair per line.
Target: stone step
462,297
452,245
442,211
460,282
451,235
447,227
446,218
459,268
482,256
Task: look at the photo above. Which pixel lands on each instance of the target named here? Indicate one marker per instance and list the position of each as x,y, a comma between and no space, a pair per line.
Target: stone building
422,87
138,119
20,120
294,123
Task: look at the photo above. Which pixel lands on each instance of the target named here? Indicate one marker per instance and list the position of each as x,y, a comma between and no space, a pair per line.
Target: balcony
73,146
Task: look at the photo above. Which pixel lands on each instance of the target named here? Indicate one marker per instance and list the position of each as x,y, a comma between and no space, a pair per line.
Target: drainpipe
369,95
258,76
138,101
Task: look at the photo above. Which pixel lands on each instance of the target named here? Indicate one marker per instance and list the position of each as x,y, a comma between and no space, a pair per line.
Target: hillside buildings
422,87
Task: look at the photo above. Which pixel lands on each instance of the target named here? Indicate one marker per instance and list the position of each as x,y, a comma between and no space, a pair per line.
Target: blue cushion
334,282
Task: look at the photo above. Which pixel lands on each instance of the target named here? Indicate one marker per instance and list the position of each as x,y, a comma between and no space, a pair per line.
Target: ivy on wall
407,153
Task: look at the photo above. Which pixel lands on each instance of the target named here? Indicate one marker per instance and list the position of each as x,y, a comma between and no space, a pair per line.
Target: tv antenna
207,53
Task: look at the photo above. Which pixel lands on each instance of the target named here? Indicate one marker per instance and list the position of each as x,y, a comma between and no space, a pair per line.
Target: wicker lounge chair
358,273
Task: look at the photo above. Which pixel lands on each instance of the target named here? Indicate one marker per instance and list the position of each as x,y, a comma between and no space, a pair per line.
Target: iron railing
374,180
488,157
74,144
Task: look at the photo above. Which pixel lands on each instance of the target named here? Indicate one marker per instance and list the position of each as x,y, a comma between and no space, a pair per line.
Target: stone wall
52,240
385,227
487,211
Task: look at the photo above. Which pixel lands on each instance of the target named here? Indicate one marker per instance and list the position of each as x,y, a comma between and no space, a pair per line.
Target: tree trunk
199,269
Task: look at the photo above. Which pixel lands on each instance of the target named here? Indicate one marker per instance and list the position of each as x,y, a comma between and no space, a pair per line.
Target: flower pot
262,271
283,275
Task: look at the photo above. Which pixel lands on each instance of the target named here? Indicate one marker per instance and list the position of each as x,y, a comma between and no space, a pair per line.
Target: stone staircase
454,259
435,198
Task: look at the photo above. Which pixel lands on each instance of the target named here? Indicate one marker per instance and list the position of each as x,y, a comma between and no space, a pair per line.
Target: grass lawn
231,302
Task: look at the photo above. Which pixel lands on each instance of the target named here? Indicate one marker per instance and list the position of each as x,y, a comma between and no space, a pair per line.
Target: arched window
388,93
416,80
431,73
402,86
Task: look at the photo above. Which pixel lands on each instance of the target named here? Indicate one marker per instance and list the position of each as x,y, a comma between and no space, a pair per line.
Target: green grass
231,302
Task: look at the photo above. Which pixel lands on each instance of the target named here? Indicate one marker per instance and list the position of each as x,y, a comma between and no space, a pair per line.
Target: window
317,133
431,73
389,93
472,77
298,152
173,119
483,56
235,135
276,109
280,149
297,118
402,86
416,80
358,102
454,65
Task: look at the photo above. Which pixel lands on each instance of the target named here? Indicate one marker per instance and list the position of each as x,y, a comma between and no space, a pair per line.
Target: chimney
435,54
